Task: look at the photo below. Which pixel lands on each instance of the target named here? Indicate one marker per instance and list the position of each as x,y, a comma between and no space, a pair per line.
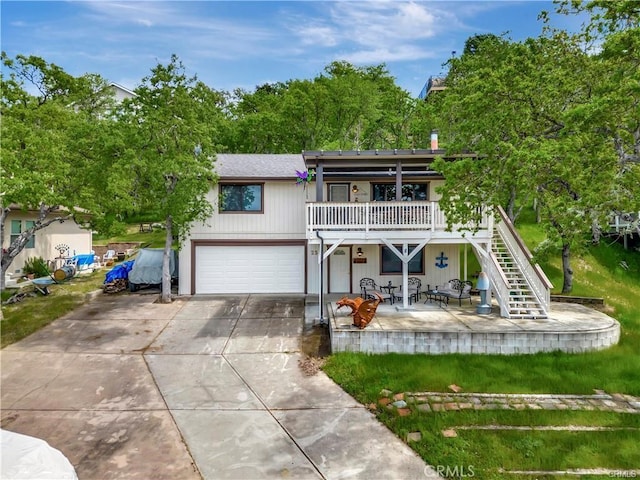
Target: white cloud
374,31
323,36
373,23
386,55
142,13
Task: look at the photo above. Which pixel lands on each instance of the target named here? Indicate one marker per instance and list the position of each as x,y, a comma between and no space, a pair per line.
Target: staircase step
521,302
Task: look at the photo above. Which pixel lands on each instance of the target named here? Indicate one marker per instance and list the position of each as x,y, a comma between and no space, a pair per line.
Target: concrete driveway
206,387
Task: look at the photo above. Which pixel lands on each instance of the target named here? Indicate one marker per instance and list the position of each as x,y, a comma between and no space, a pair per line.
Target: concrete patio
438,328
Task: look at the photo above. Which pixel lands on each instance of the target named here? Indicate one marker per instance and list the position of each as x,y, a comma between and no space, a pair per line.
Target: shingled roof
258,165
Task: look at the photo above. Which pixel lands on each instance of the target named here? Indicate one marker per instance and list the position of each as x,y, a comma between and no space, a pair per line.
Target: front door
340,270
338,192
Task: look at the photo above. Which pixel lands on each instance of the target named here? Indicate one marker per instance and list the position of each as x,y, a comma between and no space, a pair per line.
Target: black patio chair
370,290
415,285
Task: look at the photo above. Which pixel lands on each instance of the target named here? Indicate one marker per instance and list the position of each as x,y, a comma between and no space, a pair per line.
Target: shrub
36,266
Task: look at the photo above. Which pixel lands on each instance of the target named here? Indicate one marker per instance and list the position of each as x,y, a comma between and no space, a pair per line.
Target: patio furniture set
454,289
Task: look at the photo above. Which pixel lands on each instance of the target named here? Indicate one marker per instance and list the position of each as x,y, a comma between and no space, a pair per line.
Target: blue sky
242,44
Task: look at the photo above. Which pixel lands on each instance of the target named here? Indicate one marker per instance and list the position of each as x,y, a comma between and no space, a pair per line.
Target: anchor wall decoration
440,263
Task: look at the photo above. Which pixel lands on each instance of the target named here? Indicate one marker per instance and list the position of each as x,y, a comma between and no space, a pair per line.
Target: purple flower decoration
304,177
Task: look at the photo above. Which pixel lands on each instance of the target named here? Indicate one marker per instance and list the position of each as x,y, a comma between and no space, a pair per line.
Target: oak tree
170,128
46,114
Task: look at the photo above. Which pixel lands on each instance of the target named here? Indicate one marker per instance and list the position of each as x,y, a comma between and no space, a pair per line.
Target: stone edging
439,401
579,300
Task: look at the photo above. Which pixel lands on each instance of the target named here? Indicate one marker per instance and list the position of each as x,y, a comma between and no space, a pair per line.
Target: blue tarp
119,271
84,259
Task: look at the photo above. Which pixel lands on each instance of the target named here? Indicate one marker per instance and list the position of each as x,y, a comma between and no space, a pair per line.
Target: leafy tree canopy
47,115
171,128
555,120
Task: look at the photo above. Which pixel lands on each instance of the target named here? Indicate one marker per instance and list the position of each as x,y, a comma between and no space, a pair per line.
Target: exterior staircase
522,302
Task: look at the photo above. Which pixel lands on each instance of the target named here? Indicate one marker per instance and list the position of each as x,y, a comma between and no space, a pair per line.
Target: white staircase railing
532,273
500,285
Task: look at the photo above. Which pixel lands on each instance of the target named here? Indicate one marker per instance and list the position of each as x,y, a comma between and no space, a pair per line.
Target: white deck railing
372,216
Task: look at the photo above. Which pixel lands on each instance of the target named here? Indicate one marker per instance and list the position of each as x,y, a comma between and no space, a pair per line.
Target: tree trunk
511,205
595,233
165,297
567,284
3,273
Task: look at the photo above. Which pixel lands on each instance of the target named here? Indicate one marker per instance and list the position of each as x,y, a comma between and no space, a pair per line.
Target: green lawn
606,271
34,312
489,451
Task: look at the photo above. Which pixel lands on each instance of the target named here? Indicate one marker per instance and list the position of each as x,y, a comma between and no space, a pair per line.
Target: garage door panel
245,269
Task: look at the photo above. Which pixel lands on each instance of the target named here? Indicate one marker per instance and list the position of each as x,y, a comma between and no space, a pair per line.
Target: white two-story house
366,214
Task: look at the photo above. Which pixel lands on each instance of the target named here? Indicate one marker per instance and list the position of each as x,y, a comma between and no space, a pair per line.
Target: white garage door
256,269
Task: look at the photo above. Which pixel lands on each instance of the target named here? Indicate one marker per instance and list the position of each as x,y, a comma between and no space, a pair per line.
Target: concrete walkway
207,387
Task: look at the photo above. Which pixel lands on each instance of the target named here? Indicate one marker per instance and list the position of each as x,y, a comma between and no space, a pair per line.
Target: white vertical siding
69,232
433,195
433,275
184,268
439,276
283,218
313,269
283,215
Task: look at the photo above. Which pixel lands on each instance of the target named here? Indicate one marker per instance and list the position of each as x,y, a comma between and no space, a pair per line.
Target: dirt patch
316,342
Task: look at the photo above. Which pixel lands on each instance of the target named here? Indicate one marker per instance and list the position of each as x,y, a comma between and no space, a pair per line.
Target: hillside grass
154,239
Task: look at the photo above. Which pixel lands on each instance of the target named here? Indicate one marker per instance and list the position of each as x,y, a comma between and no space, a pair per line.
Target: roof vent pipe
434,140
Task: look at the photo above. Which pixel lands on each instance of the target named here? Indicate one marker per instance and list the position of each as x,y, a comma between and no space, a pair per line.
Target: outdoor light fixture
355,189
483,286
359,253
